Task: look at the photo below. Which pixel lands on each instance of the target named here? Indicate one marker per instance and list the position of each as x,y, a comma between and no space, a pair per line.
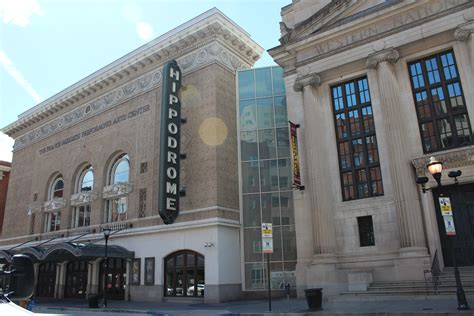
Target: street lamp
106,232
435,168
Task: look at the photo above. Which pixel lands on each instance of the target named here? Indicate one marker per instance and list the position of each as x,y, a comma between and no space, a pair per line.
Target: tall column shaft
323,228
404,188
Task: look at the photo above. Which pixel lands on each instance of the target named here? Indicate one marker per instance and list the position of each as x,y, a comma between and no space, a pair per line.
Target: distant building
378,87
4,177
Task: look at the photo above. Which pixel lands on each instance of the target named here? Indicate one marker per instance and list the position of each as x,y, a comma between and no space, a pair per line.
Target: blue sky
47,45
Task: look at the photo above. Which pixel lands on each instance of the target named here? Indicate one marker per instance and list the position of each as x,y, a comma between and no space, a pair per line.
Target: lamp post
106,232
435,168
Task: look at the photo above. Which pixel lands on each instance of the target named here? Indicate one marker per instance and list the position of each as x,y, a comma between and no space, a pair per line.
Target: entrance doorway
46,280
76,279
462,203
116,276
184,274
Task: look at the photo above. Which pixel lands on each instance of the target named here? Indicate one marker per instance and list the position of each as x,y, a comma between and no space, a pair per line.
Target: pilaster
405,195
318,189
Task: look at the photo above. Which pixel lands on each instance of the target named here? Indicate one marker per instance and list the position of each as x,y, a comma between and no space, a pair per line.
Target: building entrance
76,279
46,280
462,244
116,277
184,274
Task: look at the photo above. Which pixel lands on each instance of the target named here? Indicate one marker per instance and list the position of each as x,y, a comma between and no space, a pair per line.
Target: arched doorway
76,279
46,279
116,277
184,274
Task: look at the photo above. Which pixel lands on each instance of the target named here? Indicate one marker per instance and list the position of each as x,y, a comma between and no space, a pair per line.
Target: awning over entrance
65,251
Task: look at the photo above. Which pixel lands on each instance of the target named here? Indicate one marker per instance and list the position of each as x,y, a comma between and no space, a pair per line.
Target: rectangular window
81,216
142,203
358,154
366,231
52,221
439,102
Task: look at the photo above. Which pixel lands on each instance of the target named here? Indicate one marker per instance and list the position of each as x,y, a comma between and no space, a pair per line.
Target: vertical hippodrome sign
170,143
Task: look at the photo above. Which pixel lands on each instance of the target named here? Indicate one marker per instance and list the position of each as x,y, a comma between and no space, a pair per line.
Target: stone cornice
463,31
387,55
215,52
211,26
301,82
455,158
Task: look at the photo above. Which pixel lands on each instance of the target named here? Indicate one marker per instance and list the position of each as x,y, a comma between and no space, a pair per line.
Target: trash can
314,297
94,300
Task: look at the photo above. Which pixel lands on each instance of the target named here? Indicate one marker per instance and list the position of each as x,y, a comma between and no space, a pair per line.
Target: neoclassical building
378,87
88,159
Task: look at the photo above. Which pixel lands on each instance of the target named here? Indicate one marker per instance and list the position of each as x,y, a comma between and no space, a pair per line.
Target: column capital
390,55
462,32
313,80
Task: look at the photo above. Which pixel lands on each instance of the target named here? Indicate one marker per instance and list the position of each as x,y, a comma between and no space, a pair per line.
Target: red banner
295,161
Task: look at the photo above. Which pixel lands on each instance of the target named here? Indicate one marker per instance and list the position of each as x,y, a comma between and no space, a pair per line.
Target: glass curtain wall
267,194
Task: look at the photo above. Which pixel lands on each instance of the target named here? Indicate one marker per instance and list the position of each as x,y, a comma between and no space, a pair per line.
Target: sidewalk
432,305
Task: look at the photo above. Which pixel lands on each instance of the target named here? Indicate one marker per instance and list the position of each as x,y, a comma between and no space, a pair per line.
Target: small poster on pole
449,225
445,206
267,238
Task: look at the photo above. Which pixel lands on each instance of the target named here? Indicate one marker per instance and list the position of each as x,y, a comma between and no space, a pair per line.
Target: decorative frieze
83,198
390,55
455,158
116,190
204,56
463,31
54,205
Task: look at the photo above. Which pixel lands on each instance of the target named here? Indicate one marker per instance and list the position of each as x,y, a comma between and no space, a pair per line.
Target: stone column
464,33
318,188
405,194
61,279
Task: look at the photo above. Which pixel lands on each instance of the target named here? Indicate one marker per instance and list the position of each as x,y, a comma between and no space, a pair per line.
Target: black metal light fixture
106,232
435,168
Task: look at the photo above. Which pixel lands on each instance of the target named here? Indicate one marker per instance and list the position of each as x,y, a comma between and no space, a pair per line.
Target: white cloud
16,74
6,147
18,12
144,30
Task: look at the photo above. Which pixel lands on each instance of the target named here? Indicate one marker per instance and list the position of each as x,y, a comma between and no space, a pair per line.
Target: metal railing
434,278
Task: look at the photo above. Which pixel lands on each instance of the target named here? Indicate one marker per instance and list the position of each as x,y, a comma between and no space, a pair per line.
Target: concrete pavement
400,306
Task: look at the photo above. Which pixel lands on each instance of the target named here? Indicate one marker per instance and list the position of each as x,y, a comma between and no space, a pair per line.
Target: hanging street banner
449,225
295,161
445,206
170,139
267,238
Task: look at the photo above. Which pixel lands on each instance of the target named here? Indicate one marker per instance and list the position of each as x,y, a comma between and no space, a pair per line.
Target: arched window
184,274
53,219
117,207
81,214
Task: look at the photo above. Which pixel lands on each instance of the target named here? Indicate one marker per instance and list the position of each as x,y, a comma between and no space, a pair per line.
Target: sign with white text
449,225
170,139
267,238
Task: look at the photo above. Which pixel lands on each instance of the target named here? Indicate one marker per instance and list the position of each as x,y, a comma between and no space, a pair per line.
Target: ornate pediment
54,205
83,198
116,190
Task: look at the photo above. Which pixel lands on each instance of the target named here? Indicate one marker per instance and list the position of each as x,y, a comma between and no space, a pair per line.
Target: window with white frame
117,207
81,214
53,219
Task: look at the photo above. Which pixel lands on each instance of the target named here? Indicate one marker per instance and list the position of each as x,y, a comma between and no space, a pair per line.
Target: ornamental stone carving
389,55
463,31
301,82
452,159
54,205
199,58
83,198
35,207
116,190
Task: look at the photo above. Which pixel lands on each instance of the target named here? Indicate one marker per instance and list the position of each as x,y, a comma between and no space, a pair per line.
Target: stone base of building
335,274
